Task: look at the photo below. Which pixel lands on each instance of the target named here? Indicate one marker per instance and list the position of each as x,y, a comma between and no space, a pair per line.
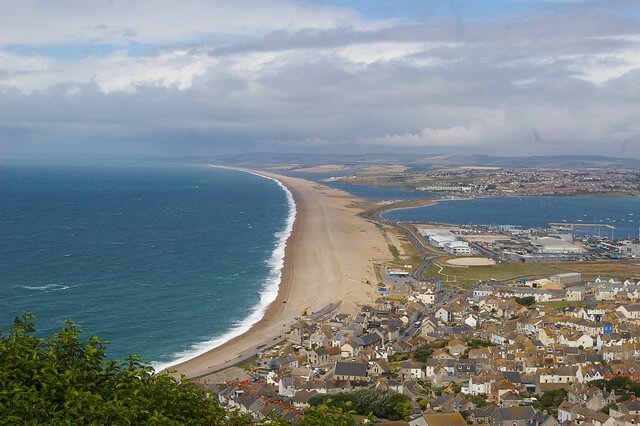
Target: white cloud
603,67
114,72
538,85
149,21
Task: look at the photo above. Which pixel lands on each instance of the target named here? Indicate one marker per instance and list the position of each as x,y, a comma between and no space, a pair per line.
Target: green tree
550,401
623,386
328,415
526,301
67,380
384,404
606,408
423,403
478,400
424,353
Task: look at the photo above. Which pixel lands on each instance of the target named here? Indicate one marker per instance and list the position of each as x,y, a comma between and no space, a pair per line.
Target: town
484,181
557,350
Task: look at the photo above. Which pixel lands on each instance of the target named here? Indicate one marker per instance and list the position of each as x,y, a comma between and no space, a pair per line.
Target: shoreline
320,267
435,201
267,295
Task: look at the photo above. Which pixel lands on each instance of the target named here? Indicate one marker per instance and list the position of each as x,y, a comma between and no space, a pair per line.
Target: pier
583,225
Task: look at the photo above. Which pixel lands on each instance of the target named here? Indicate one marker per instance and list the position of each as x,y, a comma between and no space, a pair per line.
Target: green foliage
526,301
454,389
66,380
606,408
400,356
623,386
424,353
550,401
421,354
328,415
478,400
478,343
423,403
394,251
384,404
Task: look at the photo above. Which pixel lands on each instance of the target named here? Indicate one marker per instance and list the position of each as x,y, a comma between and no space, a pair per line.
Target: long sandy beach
327,256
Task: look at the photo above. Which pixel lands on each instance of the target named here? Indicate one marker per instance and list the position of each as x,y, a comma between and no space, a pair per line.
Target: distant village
483,181
550,351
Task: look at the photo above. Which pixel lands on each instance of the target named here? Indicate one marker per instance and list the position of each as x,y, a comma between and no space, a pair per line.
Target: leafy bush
324,415
424,353
550,401
526,301
623,386
478,400
384,404
66,380
477,343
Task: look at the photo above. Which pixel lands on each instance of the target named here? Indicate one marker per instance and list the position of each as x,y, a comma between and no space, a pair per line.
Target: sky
166,78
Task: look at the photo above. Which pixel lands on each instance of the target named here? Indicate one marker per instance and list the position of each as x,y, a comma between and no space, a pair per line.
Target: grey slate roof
515,413
354,369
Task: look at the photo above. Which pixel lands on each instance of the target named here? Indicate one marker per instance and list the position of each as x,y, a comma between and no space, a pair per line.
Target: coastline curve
268,293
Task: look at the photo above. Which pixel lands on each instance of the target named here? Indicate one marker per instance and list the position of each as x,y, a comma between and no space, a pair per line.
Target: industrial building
459,248
446,241
630,249
567,278
539,257
555,245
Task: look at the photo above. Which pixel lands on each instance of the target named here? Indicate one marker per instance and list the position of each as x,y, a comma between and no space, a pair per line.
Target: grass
412,255
403,252
563,304
394,252
589,271
373,211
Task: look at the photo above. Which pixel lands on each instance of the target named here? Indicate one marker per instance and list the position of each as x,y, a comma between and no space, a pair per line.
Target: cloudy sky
201,77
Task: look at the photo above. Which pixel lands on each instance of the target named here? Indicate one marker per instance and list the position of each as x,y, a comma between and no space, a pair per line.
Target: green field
563,304
473,274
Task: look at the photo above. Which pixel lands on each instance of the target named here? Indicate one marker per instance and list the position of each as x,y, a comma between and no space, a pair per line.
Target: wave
267,295
52,287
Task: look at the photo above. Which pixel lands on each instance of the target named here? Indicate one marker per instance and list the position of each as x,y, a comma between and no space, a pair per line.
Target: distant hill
427,161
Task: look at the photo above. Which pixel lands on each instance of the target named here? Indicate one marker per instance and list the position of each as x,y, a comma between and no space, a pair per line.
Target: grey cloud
535,84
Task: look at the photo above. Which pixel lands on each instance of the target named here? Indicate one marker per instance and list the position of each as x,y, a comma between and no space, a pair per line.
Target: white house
471,321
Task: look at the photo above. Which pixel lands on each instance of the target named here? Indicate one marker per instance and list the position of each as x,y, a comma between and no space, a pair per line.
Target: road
429,257
482,249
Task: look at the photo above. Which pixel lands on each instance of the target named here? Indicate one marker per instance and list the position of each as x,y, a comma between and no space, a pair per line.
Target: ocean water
372,192
531,212
369,192
164,261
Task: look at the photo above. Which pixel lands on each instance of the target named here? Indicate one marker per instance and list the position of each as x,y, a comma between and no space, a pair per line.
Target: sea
379,193
364,191
164,261
621,213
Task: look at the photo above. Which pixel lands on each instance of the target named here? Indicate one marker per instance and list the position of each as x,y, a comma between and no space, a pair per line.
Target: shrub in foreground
67,380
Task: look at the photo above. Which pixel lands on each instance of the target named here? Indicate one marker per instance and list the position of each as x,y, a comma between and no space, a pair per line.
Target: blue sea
533,212
164,261
372,192
369,192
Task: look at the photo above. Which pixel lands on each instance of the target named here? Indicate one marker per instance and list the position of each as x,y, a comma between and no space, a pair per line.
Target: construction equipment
366,281
304,311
